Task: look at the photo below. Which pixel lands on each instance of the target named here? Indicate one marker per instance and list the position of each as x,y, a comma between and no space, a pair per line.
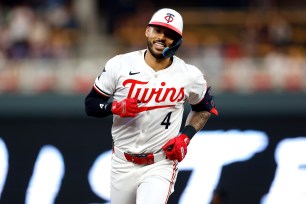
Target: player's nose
161,35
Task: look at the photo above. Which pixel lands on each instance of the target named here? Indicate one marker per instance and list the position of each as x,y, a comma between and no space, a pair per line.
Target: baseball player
145,91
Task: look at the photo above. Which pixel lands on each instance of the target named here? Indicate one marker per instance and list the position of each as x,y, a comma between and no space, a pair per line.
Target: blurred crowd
258,49
238,50
265,53
37,29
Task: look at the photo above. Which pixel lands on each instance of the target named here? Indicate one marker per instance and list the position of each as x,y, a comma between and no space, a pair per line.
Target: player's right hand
176,148
125,108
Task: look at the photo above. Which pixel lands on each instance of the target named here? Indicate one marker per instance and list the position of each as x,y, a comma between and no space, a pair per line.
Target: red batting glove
125,108
176,148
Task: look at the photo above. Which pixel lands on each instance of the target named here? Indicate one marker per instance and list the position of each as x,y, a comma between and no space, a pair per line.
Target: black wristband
189,130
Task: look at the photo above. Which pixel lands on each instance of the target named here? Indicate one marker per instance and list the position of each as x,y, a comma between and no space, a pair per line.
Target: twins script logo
161,94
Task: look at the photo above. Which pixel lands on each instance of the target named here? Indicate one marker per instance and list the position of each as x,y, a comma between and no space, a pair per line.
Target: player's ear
147,31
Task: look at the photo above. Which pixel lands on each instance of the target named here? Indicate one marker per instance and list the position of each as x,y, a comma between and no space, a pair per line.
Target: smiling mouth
159,46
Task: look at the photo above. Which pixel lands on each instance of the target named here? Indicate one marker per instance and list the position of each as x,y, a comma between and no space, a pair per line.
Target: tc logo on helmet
169,17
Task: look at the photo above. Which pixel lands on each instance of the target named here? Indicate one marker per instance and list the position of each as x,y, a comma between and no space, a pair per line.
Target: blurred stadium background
242,46
251,52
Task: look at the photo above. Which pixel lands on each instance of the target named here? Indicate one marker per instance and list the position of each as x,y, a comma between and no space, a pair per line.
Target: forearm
197,119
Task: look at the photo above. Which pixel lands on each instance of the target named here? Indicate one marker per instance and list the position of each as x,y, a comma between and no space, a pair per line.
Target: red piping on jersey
142,109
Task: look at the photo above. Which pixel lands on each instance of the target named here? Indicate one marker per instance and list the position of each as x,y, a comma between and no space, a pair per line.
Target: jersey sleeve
198,87
105,83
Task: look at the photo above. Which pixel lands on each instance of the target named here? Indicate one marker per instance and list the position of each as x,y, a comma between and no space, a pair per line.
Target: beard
154,54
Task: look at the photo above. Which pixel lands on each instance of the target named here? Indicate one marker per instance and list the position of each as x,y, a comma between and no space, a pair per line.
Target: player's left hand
176,148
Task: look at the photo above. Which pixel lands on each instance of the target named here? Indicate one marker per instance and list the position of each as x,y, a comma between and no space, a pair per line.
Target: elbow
93,109
88,111
93,113
89,108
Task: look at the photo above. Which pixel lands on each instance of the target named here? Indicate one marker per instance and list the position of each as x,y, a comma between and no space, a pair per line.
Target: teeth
160,44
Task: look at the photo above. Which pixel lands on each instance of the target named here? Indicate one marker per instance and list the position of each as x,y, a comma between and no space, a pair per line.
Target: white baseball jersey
161,97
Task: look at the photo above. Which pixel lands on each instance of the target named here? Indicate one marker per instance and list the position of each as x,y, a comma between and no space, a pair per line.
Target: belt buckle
140,158
143,158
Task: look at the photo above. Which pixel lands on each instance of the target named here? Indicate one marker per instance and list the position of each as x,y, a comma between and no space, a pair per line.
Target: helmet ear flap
170,51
